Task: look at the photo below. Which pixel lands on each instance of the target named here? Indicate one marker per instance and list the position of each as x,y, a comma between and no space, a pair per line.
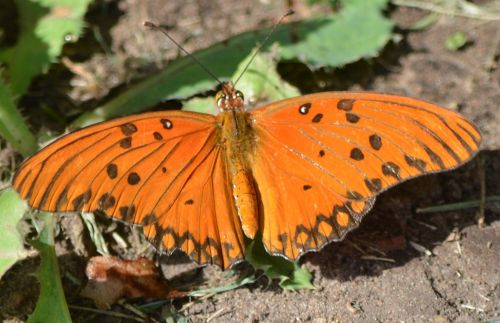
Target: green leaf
368,5
458,206
425,22
259,83
290,274
51,305
95,233
456,41
12,125
171,315
237,284
359,31
12,209
44,26
203,105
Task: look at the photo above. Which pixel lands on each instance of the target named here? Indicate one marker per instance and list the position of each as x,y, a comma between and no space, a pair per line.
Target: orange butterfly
301,171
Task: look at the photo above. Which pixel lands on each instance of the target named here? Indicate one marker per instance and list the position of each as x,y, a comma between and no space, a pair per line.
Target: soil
399,265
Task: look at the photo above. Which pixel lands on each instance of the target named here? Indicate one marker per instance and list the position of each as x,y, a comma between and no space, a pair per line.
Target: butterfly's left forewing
162,170
320,160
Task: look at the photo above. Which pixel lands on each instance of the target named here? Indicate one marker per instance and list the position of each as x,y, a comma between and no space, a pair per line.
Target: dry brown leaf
112,278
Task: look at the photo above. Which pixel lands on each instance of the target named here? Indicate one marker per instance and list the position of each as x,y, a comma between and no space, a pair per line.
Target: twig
470,307
461,9
420,248
482,191
430,226
370,257
109,313
217,313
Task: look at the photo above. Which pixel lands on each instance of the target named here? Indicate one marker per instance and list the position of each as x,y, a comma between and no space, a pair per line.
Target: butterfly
301,172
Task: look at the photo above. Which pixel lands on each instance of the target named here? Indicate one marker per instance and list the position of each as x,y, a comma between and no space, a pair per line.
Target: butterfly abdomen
237,142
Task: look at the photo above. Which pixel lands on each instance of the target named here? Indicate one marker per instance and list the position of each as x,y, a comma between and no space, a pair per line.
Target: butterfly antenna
288,13
162,30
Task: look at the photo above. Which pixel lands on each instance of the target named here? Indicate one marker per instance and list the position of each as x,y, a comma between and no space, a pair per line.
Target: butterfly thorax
236,138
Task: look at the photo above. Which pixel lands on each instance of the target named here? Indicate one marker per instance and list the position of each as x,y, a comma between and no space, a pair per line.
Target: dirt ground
399,265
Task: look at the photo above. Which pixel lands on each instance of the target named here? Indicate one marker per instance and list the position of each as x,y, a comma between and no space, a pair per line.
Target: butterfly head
228,98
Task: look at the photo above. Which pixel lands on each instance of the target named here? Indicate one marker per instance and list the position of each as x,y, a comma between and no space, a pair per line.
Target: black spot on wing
283,239
112,171
345,104
167,124
127,212
133,178
357,154
317,118
126,142
128,129
374,184
149,219
106,201
415,163
80,200
391,169
375,141
304,108
353,195
351,117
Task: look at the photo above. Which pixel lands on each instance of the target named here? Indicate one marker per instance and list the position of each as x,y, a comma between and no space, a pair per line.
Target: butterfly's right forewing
163,170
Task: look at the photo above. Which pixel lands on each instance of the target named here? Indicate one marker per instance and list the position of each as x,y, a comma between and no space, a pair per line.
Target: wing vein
418,124
59,171
181,170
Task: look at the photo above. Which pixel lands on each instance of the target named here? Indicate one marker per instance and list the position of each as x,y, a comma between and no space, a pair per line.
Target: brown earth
399,265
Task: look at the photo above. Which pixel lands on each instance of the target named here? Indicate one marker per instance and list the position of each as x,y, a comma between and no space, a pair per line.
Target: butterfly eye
239,94
219,98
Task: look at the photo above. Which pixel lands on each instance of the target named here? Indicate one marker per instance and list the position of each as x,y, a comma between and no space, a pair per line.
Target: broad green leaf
51,305
12,209
12,125
44,26
359,31
290,274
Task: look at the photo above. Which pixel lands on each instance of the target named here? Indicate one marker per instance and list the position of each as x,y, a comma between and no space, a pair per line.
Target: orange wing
321,159
162,170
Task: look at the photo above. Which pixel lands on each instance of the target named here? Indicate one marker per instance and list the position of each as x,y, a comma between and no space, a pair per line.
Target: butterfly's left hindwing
321,159
162,170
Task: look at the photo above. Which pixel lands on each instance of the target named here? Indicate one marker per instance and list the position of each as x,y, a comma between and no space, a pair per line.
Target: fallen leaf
112,278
